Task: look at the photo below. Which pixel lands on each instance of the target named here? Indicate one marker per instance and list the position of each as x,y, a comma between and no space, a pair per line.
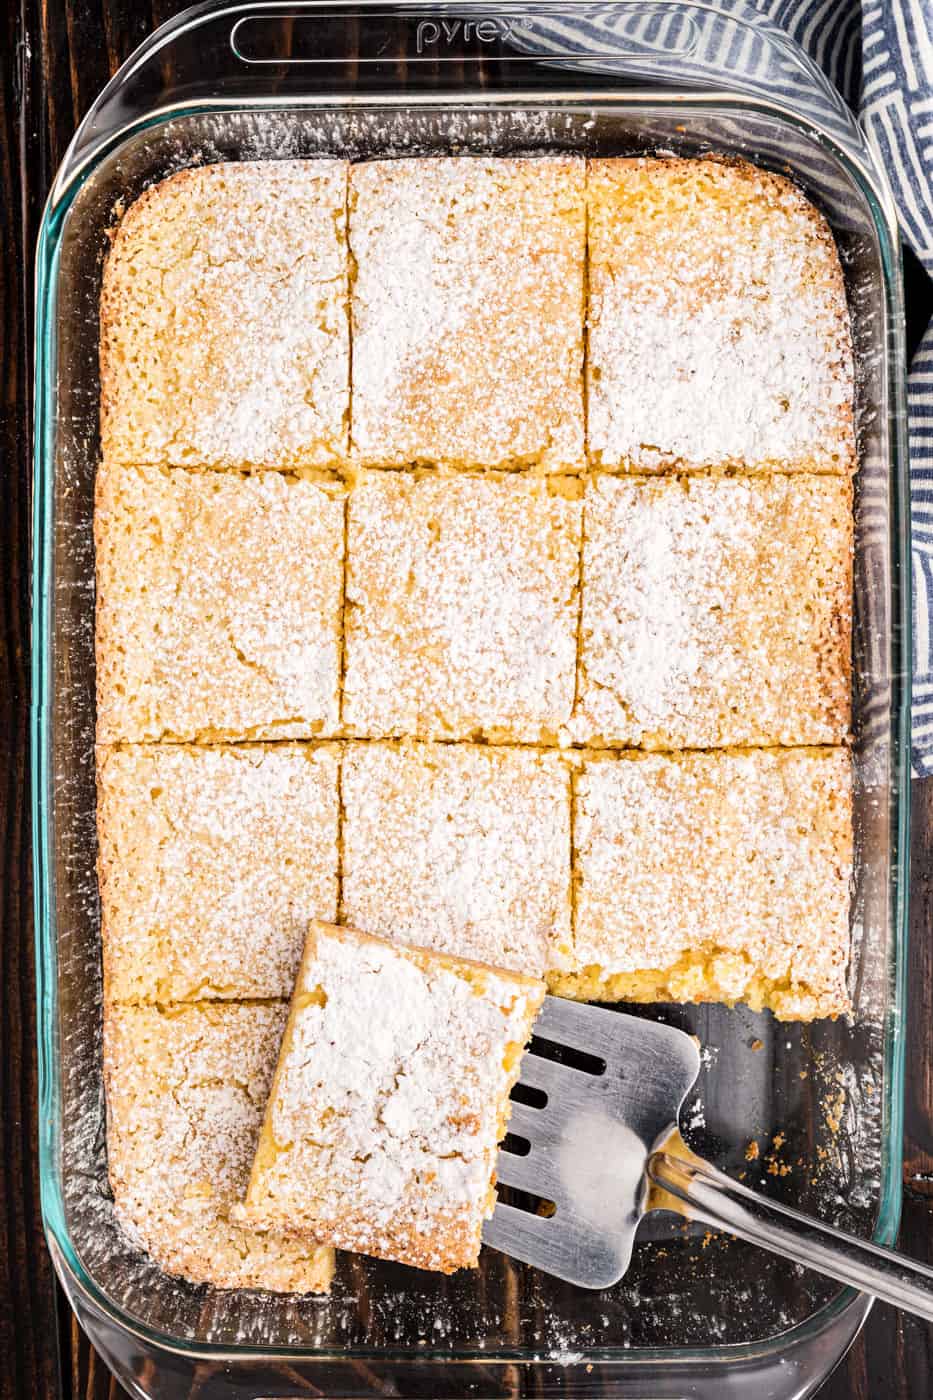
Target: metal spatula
600,1143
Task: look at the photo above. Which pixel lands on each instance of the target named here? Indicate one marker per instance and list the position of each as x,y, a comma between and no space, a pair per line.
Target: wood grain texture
55,57
28,1352
918,1099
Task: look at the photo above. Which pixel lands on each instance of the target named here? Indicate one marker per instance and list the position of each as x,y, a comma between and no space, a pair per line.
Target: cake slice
714,877
224,335
218,605
389,1100
462,605
186,1088
468,311
716,611
459,847
718,326
211,863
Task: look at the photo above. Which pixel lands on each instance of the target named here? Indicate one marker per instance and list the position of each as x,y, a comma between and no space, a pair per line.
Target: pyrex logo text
431,32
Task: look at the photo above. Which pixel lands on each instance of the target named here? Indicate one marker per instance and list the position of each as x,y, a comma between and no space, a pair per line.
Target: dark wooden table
55,55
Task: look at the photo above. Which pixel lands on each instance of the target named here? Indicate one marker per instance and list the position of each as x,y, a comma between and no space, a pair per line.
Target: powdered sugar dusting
748,856
224,319
212,862
218,605
462,606
185,1095
715,611
718,329
386,1111
467,311
460,848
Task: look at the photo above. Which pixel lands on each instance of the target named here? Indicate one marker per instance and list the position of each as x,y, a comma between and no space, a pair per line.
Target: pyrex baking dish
695,1316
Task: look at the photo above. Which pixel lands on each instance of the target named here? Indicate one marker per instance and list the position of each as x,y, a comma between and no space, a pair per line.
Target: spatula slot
525,1201
527,1094
568,1055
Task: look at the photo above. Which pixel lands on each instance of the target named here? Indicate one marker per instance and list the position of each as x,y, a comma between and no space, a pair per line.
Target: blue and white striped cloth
897,111
880,56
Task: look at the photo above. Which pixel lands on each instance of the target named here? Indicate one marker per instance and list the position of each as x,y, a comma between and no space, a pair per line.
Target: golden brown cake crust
716,611
389,1099
718,326
714,877
185,1094
211,863
468,311
218,605
224,319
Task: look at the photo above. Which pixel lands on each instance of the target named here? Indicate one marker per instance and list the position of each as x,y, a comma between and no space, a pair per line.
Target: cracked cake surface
218,605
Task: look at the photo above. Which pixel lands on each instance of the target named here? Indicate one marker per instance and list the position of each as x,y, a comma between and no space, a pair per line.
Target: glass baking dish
696,1316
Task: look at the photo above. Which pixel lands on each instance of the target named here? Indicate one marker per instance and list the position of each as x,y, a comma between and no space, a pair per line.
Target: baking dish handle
715,1199
310,51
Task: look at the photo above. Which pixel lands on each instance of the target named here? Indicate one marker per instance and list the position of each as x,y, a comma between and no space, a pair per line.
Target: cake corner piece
224,319
387,1145
185,1090
697,269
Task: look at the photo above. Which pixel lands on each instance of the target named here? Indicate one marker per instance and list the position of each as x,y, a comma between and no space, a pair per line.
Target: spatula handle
715,1199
